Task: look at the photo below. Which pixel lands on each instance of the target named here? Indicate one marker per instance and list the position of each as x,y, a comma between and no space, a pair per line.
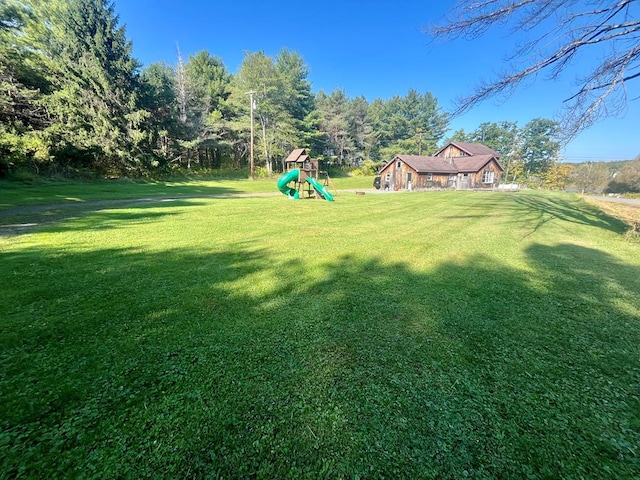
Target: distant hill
620,176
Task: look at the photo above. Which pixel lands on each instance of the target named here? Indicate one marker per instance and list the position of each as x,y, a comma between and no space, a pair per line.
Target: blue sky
376,49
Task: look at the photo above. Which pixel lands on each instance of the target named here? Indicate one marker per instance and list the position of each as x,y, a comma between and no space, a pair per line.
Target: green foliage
70,86
92,75
20,147
525,153
367,168
283,104
501,341
158,97
413,124
336,126
540,148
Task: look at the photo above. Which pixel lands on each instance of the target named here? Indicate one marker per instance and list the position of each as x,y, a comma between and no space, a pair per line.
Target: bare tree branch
562,30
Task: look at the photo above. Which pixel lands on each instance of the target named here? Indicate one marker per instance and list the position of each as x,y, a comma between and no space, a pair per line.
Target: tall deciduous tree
607,30
590,177
257,74
504,138
557,175
360,127
297,90
540,148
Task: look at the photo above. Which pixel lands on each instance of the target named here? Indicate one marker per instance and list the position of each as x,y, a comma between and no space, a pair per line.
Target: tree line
74,101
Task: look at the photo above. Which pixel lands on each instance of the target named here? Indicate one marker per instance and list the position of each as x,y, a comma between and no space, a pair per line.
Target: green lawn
14,194
402,335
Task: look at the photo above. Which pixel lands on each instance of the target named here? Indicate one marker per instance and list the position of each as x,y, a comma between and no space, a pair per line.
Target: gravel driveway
635,202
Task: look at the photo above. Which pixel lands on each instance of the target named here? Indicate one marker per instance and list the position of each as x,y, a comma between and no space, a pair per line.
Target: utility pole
252,107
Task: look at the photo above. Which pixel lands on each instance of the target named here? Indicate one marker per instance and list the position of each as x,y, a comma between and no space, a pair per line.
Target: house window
387,177
488,176
399,164
408,176
430,177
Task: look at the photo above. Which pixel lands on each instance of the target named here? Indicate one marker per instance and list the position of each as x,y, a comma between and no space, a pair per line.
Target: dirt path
635,202
18,220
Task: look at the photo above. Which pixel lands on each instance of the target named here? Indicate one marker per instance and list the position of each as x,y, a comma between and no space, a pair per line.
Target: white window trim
488,176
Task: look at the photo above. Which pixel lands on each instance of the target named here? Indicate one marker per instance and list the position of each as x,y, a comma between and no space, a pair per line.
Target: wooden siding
451,151
395,176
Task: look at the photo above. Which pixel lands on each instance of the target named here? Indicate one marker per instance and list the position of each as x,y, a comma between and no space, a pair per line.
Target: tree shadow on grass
531,211
541,209
181,364
97,215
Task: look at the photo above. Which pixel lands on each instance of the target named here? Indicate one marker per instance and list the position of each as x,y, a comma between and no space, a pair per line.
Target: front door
464,180
408,180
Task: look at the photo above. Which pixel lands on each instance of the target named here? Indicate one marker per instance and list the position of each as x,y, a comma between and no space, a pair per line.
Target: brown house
458,165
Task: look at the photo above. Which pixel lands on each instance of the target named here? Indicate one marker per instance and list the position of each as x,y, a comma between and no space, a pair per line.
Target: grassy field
401,335
65,193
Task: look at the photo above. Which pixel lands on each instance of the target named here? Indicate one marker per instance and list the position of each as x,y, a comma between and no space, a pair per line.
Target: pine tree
22,81
95,80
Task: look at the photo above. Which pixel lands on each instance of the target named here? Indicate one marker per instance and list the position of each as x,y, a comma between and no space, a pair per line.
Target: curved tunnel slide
292,193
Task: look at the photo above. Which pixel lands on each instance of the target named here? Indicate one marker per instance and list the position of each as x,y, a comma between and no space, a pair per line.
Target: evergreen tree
413,124
158,98
334,111
208,83
22,81
94,78
282,104
360,128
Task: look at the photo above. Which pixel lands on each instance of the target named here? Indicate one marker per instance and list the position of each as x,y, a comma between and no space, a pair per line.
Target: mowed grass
418,335
57,194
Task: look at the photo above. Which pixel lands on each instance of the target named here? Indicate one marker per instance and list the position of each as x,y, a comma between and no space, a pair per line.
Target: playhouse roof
297,155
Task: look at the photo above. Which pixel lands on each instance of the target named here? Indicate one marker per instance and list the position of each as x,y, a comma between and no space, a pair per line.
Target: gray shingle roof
471,148
422,164
472,164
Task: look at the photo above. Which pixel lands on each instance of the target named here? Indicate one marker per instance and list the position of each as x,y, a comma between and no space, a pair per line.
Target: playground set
303,171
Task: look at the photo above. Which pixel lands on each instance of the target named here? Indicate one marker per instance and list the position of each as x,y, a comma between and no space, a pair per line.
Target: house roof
471,149
474,163
422,164
442,165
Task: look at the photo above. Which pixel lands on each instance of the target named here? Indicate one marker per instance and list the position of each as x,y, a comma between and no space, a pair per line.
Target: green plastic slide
322,191
291,176
292,193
